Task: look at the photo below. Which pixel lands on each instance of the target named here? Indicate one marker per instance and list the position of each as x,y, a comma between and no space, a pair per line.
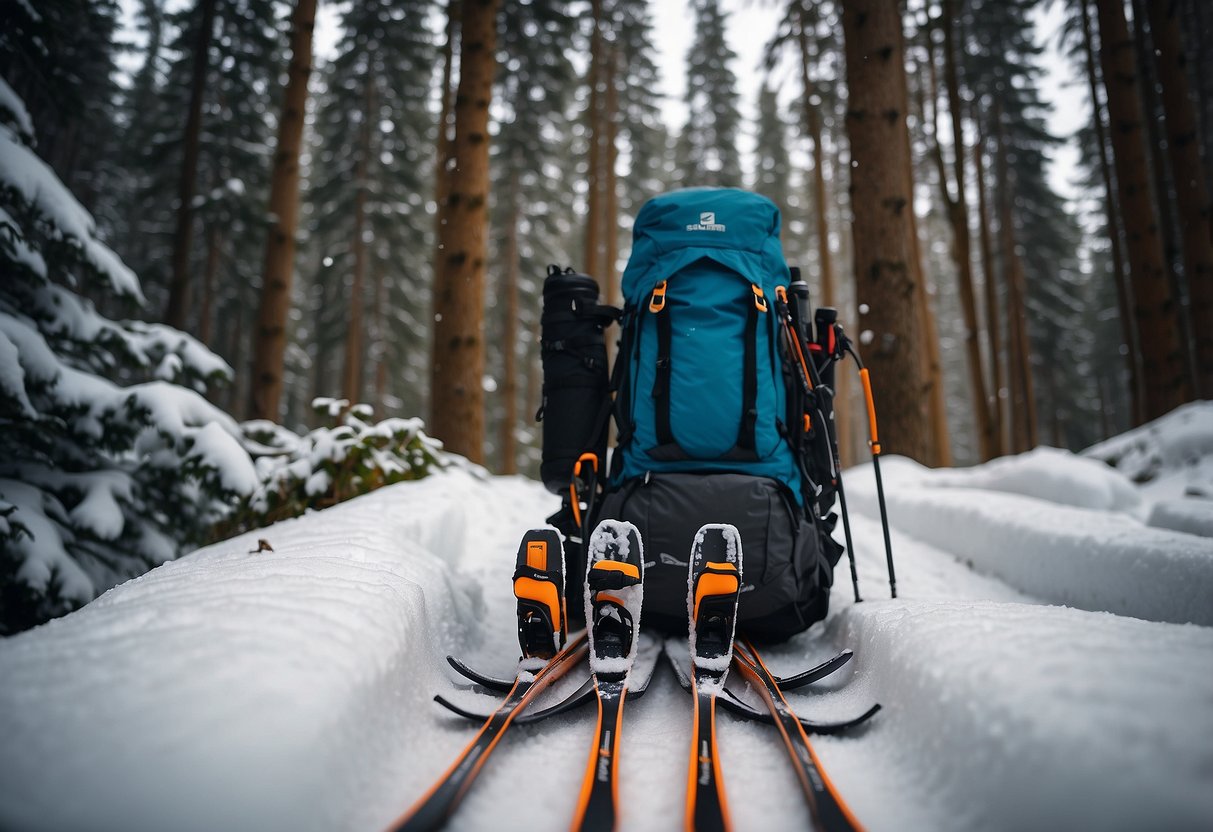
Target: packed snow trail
291,689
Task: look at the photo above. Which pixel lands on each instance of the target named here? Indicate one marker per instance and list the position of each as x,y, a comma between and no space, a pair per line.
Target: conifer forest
259,256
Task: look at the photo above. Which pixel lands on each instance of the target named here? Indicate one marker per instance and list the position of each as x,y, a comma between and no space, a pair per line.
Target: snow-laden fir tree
707,152
642,129
369,184
99,480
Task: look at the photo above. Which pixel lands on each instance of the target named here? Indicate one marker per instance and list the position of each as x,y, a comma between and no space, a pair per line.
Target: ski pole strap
874,442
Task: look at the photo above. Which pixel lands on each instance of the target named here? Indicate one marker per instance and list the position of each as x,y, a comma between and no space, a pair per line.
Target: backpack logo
707,222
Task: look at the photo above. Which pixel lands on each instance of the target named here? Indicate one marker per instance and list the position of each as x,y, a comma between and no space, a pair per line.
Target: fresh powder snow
1046,665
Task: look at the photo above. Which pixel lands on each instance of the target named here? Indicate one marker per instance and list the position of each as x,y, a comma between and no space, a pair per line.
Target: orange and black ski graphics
713,585
614,593
830,813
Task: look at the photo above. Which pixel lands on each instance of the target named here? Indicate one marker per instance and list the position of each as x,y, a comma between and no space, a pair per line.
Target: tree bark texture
1189,175
1023,419
210,276
595,130
1164,189
269,336
179,286
1128,327
958,213
993,328
457,394
351,379
825,258
1165,380
510,335
881,204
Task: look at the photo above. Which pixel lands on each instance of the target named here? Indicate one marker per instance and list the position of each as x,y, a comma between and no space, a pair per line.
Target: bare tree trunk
1019,354
882,227
941,448
958,213
1192,197
382,336
351,380
595,130
179,286
1168,225
825,257
457,393
509,335
445,151
1166,382
610,201
214,246
269,336
998,393
1127,325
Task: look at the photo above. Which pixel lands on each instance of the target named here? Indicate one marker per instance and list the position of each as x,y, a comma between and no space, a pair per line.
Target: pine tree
773,163
707,148
881,203
369,182
456,388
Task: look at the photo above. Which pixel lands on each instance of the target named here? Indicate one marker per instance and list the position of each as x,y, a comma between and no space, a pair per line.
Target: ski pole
846,530
874,444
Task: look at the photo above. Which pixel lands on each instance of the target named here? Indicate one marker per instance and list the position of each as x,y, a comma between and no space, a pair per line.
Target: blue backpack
702,386
711,426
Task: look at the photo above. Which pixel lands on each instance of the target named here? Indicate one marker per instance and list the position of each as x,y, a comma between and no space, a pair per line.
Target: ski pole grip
867,395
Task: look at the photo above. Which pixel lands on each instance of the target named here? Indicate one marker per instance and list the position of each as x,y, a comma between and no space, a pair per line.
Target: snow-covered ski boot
713,586
539,588
614,593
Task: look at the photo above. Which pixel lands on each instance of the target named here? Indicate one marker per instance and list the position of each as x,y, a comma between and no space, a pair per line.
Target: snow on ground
290,689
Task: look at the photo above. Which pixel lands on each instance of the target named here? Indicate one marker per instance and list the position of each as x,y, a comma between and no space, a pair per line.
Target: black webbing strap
749,388
661,384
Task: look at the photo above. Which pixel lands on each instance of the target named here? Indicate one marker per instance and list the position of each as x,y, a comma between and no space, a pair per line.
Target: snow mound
1193,515
1173,454
1075,720
1094,560
233,690
1048,474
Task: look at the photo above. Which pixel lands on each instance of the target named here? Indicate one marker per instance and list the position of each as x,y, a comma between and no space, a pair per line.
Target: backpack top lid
738,229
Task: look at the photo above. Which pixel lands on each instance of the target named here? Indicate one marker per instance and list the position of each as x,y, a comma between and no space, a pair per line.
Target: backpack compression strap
667,448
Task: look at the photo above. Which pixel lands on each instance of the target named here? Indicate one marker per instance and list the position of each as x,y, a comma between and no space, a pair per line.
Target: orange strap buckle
760,300
781,293
657,302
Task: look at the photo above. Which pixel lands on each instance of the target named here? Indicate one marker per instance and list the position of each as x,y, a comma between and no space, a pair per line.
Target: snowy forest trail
291,689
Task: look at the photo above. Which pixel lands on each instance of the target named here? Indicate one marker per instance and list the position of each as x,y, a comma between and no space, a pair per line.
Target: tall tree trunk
1166,383
882,230
1128,328
1191,194
1019,347
825,258
932,365
269,336
509,333
382,337
958,213
445,151
179,286
457,393
610,185
351,379
595,130
998,393
1164,189
214,246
